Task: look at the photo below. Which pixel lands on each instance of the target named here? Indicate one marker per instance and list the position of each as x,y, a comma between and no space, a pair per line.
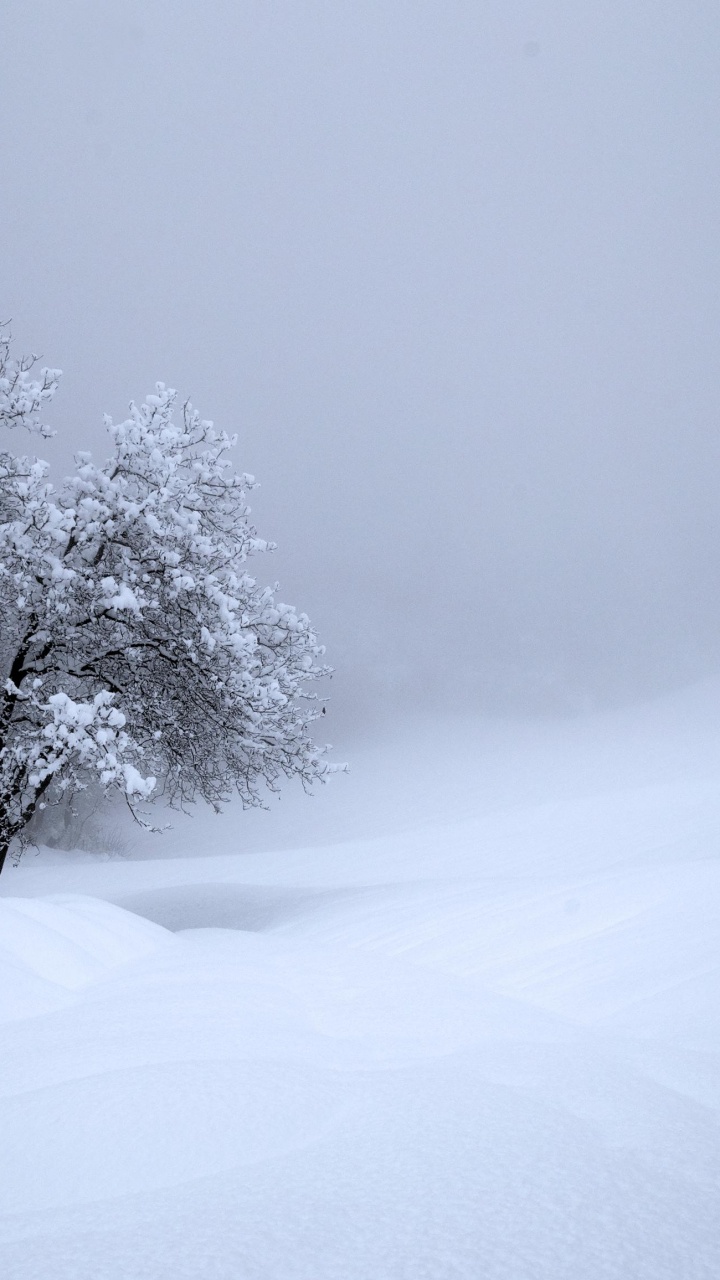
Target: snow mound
52,946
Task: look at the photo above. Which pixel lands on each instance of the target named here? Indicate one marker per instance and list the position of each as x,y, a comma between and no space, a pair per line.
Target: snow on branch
23,399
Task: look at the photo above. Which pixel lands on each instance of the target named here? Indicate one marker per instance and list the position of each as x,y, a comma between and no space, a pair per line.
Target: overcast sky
449,267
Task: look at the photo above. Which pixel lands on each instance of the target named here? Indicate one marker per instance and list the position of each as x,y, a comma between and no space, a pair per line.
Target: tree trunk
9,829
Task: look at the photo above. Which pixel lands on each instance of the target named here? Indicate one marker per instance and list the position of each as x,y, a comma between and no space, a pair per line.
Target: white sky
450,268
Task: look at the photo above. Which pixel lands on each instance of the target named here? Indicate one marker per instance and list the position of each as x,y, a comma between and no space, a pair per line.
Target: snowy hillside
456,1017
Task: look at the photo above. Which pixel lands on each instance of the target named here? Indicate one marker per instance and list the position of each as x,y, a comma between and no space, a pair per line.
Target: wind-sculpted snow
483,1048
54,945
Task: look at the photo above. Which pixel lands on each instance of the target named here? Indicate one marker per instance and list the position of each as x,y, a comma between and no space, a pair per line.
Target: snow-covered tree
137,650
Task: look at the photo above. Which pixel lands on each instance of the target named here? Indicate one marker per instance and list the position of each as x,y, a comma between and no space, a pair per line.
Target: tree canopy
138,651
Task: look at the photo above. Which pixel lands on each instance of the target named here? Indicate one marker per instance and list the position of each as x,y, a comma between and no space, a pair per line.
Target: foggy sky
451,270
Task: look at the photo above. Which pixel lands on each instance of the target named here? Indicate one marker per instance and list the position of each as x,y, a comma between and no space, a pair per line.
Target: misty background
450,270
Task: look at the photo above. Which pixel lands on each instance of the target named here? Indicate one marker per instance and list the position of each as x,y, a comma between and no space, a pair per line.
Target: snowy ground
462,1022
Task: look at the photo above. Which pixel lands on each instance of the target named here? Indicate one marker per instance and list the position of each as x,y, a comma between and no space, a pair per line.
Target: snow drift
482,1047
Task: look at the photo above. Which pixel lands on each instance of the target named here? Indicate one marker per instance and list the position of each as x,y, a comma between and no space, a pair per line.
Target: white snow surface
464,1024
